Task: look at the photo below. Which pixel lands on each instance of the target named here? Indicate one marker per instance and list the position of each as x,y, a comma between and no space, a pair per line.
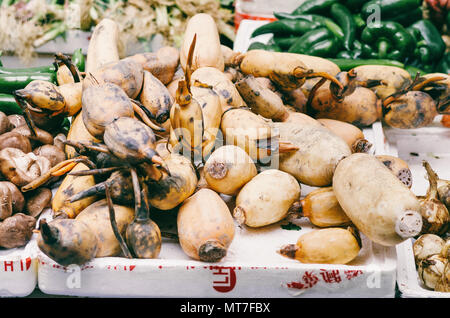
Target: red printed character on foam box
224,278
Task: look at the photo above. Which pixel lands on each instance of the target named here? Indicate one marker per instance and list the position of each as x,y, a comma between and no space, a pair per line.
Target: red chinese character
227,282
308,281
352,273
331,276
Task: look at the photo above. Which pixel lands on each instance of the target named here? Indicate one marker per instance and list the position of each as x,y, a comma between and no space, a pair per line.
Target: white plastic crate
432,144
252,267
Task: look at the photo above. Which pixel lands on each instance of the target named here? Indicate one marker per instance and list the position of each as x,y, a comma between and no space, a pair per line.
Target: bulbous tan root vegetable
399,167
377,202
353,136
431,270
103,46
205,226
220,84
287,70
171,190
162,64
435,215
156,98
228,169
67,241
393,78
195,117
208,51
102,104
325,246
253,133
443,284
319,150
259,204
426,245
78,133
322,209
360,108
61,205
96,217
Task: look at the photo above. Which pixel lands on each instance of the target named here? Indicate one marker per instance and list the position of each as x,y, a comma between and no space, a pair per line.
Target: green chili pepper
430,46
12,82
8,105
387,40
359,22
348,64
355,54
354,5
409,17
263,46
38,69
389,9
345,20
448,20
444,64
285,42
319,42
285,27
318,20
78,59
314,6
412,70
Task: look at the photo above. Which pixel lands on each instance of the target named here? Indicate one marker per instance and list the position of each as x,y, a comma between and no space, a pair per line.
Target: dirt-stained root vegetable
5,202
162,63
126,73
37,201
322,209
5,124
205,226
171,190
208,52
228,169
324,246
319,151
427,245
259,203
443,284
13,139
229,55
17,198
399,168
288,70
220,84
101,105
96,217
360,108
431,269
143,236
42,136
353,136
70,186
414,109
67,241
78,133
54,154
21,168
103,46
435,214
17,230
253,133
375,200
72,96
156,97
394,78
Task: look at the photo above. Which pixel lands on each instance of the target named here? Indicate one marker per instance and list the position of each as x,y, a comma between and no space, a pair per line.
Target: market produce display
106,141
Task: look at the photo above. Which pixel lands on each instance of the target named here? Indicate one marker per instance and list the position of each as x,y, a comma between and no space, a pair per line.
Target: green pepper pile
355,32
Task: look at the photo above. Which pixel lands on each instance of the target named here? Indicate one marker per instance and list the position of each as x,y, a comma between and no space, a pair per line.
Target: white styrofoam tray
252,267
432,144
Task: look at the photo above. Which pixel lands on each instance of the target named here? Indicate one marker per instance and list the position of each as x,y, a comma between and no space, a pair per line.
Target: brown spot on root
289,250
212,251
362,146
239,214
217,170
